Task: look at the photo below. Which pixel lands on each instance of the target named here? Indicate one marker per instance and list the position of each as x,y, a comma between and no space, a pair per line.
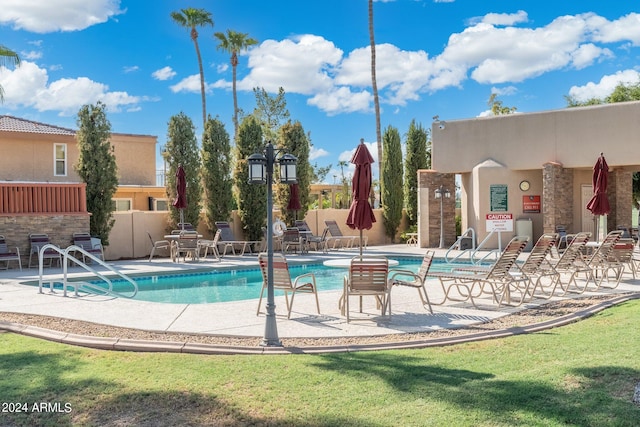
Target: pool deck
240,319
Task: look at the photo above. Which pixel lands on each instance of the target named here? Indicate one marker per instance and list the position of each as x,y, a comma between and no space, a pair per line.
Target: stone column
557,197
619,190
429,208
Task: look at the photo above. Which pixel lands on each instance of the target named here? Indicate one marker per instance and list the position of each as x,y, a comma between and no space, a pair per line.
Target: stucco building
532,169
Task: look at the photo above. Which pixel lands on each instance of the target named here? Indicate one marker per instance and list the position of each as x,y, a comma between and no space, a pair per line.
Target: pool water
237,285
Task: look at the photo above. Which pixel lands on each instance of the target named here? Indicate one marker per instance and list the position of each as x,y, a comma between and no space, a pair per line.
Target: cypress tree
97,168
251,199
416,159
294,141
182,149
391,181
216,173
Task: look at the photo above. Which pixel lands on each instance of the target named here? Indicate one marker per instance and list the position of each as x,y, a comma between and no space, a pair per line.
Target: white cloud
316,153
304,64
188,84
165,73
31,55
605,86
28,86
57,15
130,69
492,50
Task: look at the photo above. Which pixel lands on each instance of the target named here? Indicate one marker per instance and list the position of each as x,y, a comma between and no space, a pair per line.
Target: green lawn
578,375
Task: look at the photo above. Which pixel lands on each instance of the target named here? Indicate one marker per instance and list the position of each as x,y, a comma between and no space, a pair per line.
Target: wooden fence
37,198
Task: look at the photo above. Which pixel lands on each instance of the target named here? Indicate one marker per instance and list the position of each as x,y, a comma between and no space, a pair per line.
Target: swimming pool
238,285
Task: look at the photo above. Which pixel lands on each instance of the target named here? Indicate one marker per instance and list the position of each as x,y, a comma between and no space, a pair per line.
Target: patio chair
158,244
497,281
83,241
186,226
337,238
291,239
310,238
367,276
210,245
563,237
415,280
305,283
187,244
7,255
37,241
228,240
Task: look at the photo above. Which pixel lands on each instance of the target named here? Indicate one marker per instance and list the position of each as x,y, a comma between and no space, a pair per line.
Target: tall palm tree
234,42
374,86
192,18
7,56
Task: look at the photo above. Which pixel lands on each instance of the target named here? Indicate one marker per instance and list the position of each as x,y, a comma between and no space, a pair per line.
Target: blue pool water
237,285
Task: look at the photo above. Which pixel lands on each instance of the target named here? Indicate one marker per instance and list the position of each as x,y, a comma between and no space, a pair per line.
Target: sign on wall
499,222
498,194
531,204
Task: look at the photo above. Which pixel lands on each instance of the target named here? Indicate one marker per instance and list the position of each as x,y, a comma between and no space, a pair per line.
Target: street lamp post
261,172
442,193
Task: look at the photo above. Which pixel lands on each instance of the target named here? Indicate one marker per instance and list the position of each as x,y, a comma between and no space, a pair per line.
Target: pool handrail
66,256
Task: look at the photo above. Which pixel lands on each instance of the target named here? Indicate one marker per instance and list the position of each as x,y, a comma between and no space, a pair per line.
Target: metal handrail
66,256
457,245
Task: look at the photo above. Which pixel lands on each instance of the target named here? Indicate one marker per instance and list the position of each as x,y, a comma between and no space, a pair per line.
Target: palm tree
234,42
7,56
192,18
374,86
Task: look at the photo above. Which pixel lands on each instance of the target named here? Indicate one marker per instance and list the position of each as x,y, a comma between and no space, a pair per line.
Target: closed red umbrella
360,213
599,203
181,193
294,198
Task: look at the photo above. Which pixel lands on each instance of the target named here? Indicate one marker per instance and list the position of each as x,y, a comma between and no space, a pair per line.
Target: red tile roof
15,124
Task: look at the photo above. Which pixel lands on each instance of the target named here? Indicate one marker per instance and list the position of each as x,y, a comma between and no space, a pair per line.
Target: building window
161,204
121,204
60,159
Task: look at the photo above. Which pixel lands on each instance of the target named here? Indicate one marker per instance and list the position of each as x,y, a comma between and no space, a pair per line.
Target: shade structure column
430,228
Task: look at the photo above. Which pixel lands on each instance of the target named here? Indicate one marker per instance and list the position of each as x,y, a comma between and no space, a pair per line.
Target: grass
583,374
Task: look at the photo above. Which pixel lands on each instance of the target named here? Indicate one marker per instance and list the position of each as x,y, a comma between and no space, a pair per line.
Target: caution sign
499,222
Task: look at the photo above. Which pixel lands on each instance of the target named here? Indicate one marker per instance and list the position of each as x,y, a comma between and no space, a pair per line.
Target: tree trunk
374,86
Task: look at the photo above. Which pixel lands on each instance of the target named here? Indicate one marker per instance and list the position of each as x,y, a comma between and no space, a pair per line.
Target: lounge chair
211,245
228,240
415,280
568,263
367,276
7,255
187,244
497,281
337,239
305,283
83,241
158,244
602,263
623,252
538,269
37,241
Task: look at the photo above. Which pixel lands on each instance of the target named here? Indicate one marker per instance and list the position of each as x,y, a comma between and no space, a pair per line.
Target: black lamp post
442,193
261,172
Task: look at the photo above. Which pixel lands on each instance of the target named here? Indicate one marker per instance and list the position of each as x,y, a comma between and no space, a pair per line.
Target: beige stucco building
534,168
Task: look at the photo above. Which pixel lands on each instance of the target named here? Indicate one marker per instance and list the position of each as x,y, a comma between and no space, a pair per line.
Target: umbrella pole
361,245
182,219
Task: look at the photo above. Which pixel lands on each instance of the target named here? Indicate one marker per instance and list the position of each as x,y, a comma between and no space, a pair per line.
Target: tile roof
15,124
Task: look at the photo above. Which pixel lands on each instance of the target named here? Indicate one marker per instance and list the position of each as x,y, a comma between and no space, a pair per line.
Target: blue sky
434,58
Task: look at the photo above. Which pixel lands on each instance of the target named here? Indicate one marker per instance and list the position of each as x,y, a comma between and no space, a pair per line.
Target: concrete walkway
239,318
